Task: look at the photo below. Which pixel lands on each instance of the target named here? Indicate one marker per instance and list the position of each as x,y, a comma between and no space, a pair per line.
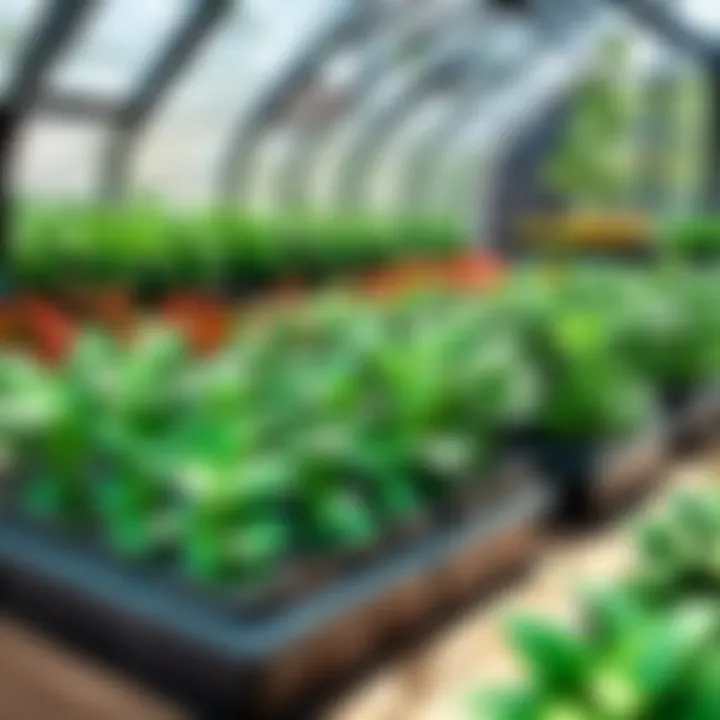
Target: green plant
570,327
647,648
144,244
688,236
590,166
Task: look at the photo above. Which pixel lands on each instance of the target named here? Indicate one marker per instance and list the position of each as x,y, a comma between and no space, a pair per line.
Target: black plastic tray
221,664
592,479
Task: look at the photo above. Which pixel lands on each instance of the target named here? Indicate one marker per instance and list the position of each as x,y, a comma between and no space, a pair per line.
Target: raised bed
223,661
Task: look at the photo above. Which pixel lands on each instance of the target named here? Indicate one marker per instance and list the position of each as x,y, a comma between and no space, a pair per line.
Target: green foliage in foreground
648,648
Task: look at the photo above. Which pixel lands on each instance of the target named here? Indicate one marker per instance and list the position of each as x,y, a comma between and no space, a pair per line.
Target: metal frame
515,188
293,180
383,119
126,118
509,106
381,126
419,182
662,20
332,145
135,112
55,30
380,117
655,15
411,134
236,172
385,187
480,87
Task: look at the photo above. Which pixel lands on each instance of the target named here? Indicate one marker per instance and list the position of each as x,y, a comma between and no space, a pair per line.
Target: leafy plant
689,236
648,647
146,246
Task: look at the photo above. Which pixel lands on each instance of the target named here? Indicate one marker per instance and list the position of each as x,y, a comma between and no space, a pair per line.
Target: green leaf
558,660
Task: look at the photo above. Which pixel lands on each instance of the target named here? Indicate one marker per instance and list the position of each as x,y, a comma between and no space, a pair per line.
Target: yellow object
595,230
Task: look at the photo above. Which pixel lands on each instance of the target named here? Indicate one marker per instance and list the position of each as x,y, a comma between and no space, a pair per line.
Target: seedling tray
221,663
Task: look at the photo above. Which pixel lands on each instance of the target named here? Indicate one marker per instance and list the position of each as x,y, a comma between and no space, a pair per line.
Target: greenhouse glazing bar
660,17
61,21
293,183
377,58
237,171
382,117
419,175
55,30
80,105
480,85
664,21
338,139
135,111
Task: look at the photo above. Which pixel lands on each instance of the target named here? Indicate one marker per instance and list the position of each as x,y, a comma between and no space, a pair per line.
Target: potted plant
594,400
591,170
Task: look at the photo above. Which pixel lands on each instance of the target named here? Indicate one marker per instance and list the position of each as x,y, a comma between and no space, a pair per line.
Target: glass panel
386,186
118,46
178,152
271,156
59,158
181,152
18,19
703,16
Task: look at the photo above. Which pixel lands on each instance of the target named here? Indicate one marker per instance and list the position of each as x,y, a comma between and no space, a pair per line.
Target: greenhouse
358,359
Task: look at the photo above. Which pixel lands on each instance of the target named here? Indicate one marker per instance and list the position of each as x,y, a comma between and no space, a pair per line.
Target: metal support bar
657,16
712,195
420,168
61,21
482,82
294,188
7,140
236,172
135,112
383,120
173,59
660,18
79,106
55,30
517,190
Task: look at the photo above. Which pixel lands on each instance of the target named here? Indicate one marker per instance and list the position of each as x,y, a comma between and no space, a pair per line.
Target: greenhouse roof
212,96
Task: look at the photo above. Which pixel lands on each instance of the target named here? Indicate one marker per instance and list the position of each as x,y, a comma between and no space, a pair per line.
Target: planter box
220,661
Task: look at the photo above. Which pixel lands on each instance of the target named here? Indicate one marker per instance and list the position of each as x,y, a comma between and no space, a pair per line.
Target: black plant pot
592,477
